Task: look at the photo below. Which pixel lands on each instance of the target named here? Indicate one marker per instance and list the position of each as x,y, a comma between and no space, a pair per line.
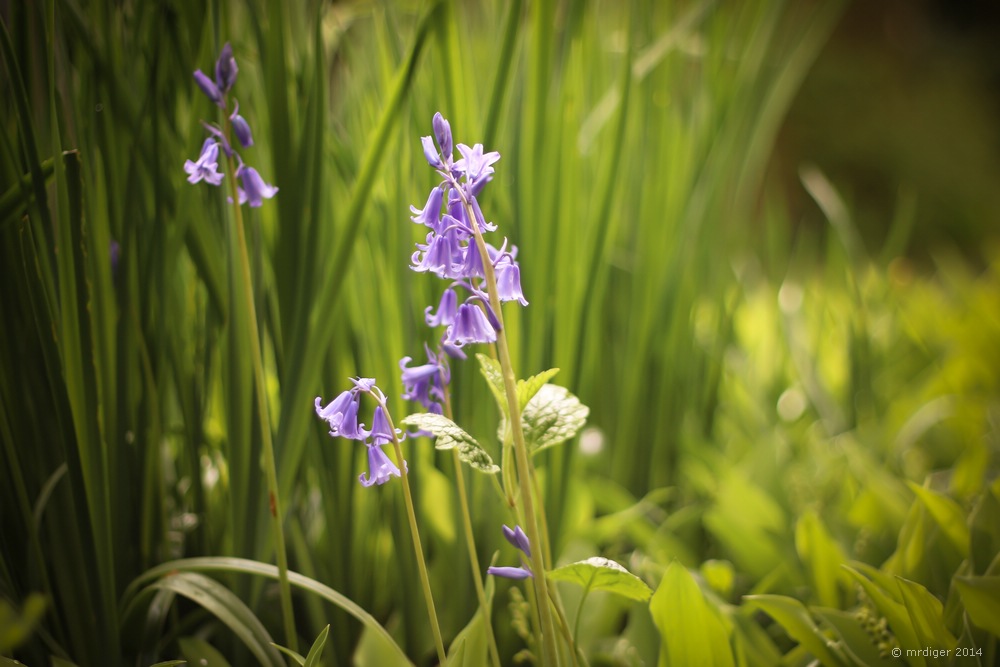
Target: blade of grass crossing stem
321,323
258,569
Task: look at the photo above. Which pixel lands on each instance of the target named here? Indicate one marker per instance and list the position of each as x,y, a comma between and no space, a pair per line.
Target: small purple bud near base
509,572
240,127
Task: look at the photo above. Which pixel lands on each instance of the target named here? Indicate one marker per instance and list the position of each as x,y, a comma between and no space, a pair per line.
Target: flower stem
270,470
470,540
549,652
418,551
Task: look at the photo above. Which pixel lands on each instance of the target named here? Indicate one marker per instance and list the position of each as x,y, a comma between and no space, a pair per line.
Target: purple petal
509,572
209,88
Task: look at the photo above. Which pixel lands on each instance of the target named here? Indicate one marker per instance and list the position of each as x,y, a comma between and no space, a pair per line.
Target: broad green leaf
927,615
470,646
822,557
719,575
894,612
793,616
855,641
490,368
981,596
948,515
984,532
317,648
526,389
691,630
450,435
553,416
16,627
602,574
200,652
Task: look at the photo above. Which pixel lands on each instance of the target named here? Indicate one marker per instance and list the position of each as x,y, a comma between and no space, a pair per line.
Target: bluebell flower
381,432
381,467
476,167
206,168
519,540
442,132
254,189
508,275
430,214
209,88
342,416
425,384
446,311
240,127
470,326
225,69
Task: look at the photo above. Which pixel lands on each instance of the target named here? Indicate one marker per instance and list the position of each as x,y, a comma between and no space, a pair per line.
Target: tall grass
634,138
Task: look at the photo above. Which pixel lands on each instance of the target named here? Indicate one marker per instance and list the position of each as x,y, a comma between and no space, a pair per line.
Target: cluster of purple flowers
253,189
342,416
518,539
451,213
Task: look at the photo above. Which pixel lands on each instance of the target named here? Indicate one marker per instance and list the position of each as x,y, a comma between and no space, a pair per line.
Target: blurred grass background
774,283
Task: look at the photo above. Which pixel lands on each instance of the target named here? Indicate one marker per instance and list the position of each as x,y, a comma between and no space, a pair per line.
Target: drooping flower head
342,416
253,189
454,218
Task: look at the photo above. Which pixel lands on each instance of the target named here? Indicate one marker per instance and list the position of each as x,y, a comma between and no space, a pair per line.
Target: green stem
256,358
470,540
418,551
549,652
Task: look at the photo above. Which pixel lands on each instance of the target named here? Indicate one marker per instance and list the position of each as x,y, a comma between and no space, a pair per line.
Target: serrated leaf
602,574
450,435
553,416
490,368
526,389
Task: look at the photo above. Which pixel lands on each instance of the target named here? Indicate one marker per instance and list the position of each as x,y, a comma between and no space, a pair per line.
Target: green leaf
793,616
692,631
981,596
317,648
553,416
894,612
490,368
854,639
450,435
526,389
602,574
948,515
927,615
822,557
470,646
228,608
16,627
200,652
299,660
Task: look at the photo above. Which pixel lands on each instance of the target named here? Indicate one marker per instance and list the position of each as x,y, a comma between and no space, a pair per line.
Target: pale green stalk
256,359
549,653
418,551
470,540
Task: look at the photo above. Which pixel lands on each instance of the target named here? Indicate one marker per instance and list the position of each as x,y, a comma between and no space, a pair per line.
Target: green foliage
450,435
779,422
601,574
